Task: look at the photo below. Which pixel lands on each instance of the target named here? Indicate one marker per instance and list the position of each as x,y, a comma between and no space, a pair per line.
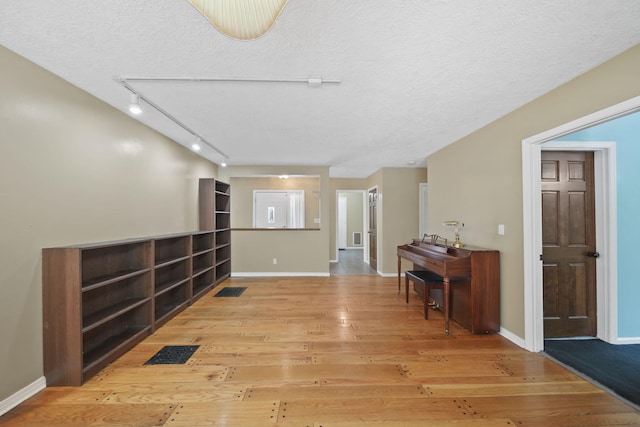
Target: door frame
378,220
606,222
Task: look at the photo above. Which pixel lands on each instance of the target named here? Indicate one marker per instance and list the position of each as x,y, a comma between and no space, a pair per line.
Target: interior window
278,209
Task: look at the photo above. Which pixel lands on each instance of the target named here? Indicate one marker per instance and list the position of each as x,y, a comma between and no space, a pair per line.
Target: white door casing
606,222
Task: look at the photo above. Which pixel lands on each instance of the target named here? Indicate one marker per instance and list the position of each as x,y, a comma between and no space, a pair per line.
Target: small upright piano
474,274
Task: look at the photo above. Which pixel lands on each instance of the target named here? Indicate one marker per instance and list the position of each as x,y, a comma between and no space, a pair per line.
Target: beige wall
73,170
398,194
297,251
478,179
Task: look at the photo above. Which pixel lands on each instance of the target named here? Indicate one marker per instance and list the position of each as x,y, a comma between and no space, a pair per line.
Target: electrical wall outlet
275,261
501,229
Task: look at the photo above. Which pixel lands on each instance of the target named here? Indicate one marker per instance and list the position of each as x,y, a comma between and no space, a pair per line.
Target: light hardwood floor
325,352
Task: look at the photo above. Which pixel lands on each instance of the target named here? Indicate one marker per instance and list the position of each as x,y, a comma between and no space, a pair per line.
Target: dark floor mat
616,367
172,355
230,292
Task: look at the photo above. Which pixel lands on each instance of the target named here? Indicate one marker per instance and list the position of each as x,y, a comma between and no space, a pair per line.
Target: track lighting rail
125,81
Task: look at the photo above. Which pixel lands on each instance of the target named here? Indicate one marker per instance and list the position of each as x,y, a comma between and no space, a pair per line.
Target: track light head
196,144
134,106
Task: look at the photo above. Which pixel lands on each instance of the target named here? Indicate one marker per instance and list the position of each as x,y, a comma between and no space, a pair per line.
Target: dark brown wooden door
373,229
568,244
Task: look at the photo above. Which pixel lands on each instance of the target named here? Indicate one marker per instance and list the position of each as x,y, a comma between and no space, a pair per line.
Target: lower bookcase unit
99,300
203,280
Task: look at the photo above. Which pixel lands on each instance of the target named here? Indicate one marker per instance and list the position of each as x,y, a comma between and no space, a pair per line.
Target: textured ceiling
415,75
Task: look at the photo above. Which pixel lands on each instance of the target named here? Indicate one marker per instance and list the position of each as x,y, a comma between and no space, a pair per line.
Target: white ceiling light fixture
241,19
137,96
196,144
134,106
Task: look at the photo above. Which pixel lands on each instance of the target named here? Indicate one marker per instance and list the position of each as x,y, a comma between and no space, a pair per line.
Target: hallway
350,262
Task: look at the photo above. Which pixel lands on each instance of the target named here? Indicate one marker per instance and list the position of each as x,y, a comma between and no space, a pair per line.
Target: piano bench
429,280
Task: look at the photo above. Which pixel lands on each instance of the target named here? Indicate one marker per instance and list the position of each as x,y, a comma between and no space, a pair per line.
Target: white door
342,222
423,200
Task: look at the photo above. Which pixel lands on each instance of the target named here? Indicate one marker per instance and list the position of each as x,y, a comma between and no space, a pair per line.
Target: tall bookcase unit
99,300
215,215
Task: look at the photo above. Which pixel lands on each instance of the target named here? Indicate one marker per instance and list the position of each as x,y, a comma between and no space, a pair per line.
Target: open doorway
606,220
351,243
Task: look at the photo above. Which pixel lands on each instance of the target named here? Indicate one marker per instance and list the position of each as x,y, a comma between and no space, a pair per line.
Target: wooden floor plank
422,423
602,420
295,373
339,392
539,405
428,369
161,374
306,412
192,414
252,359
174,392
66,415
511,389
337,351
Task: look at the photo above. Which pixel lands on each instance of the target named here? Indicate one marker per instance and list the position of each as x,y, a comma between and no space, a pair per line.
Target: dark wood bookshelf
99,300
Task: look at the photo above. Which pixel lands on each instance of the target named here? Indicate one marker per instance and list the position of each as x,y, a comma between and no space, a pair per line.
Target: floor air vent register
173,355
230,292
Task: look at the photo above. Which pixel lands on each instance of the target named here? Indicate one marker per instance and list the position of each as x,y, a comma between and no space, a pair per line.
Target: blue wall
625,131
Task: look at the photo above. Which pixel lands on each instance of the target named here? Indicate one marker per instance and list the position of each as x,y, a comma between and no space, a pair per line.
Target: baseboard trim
279,274
521,342
21,395
512,337
630,340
